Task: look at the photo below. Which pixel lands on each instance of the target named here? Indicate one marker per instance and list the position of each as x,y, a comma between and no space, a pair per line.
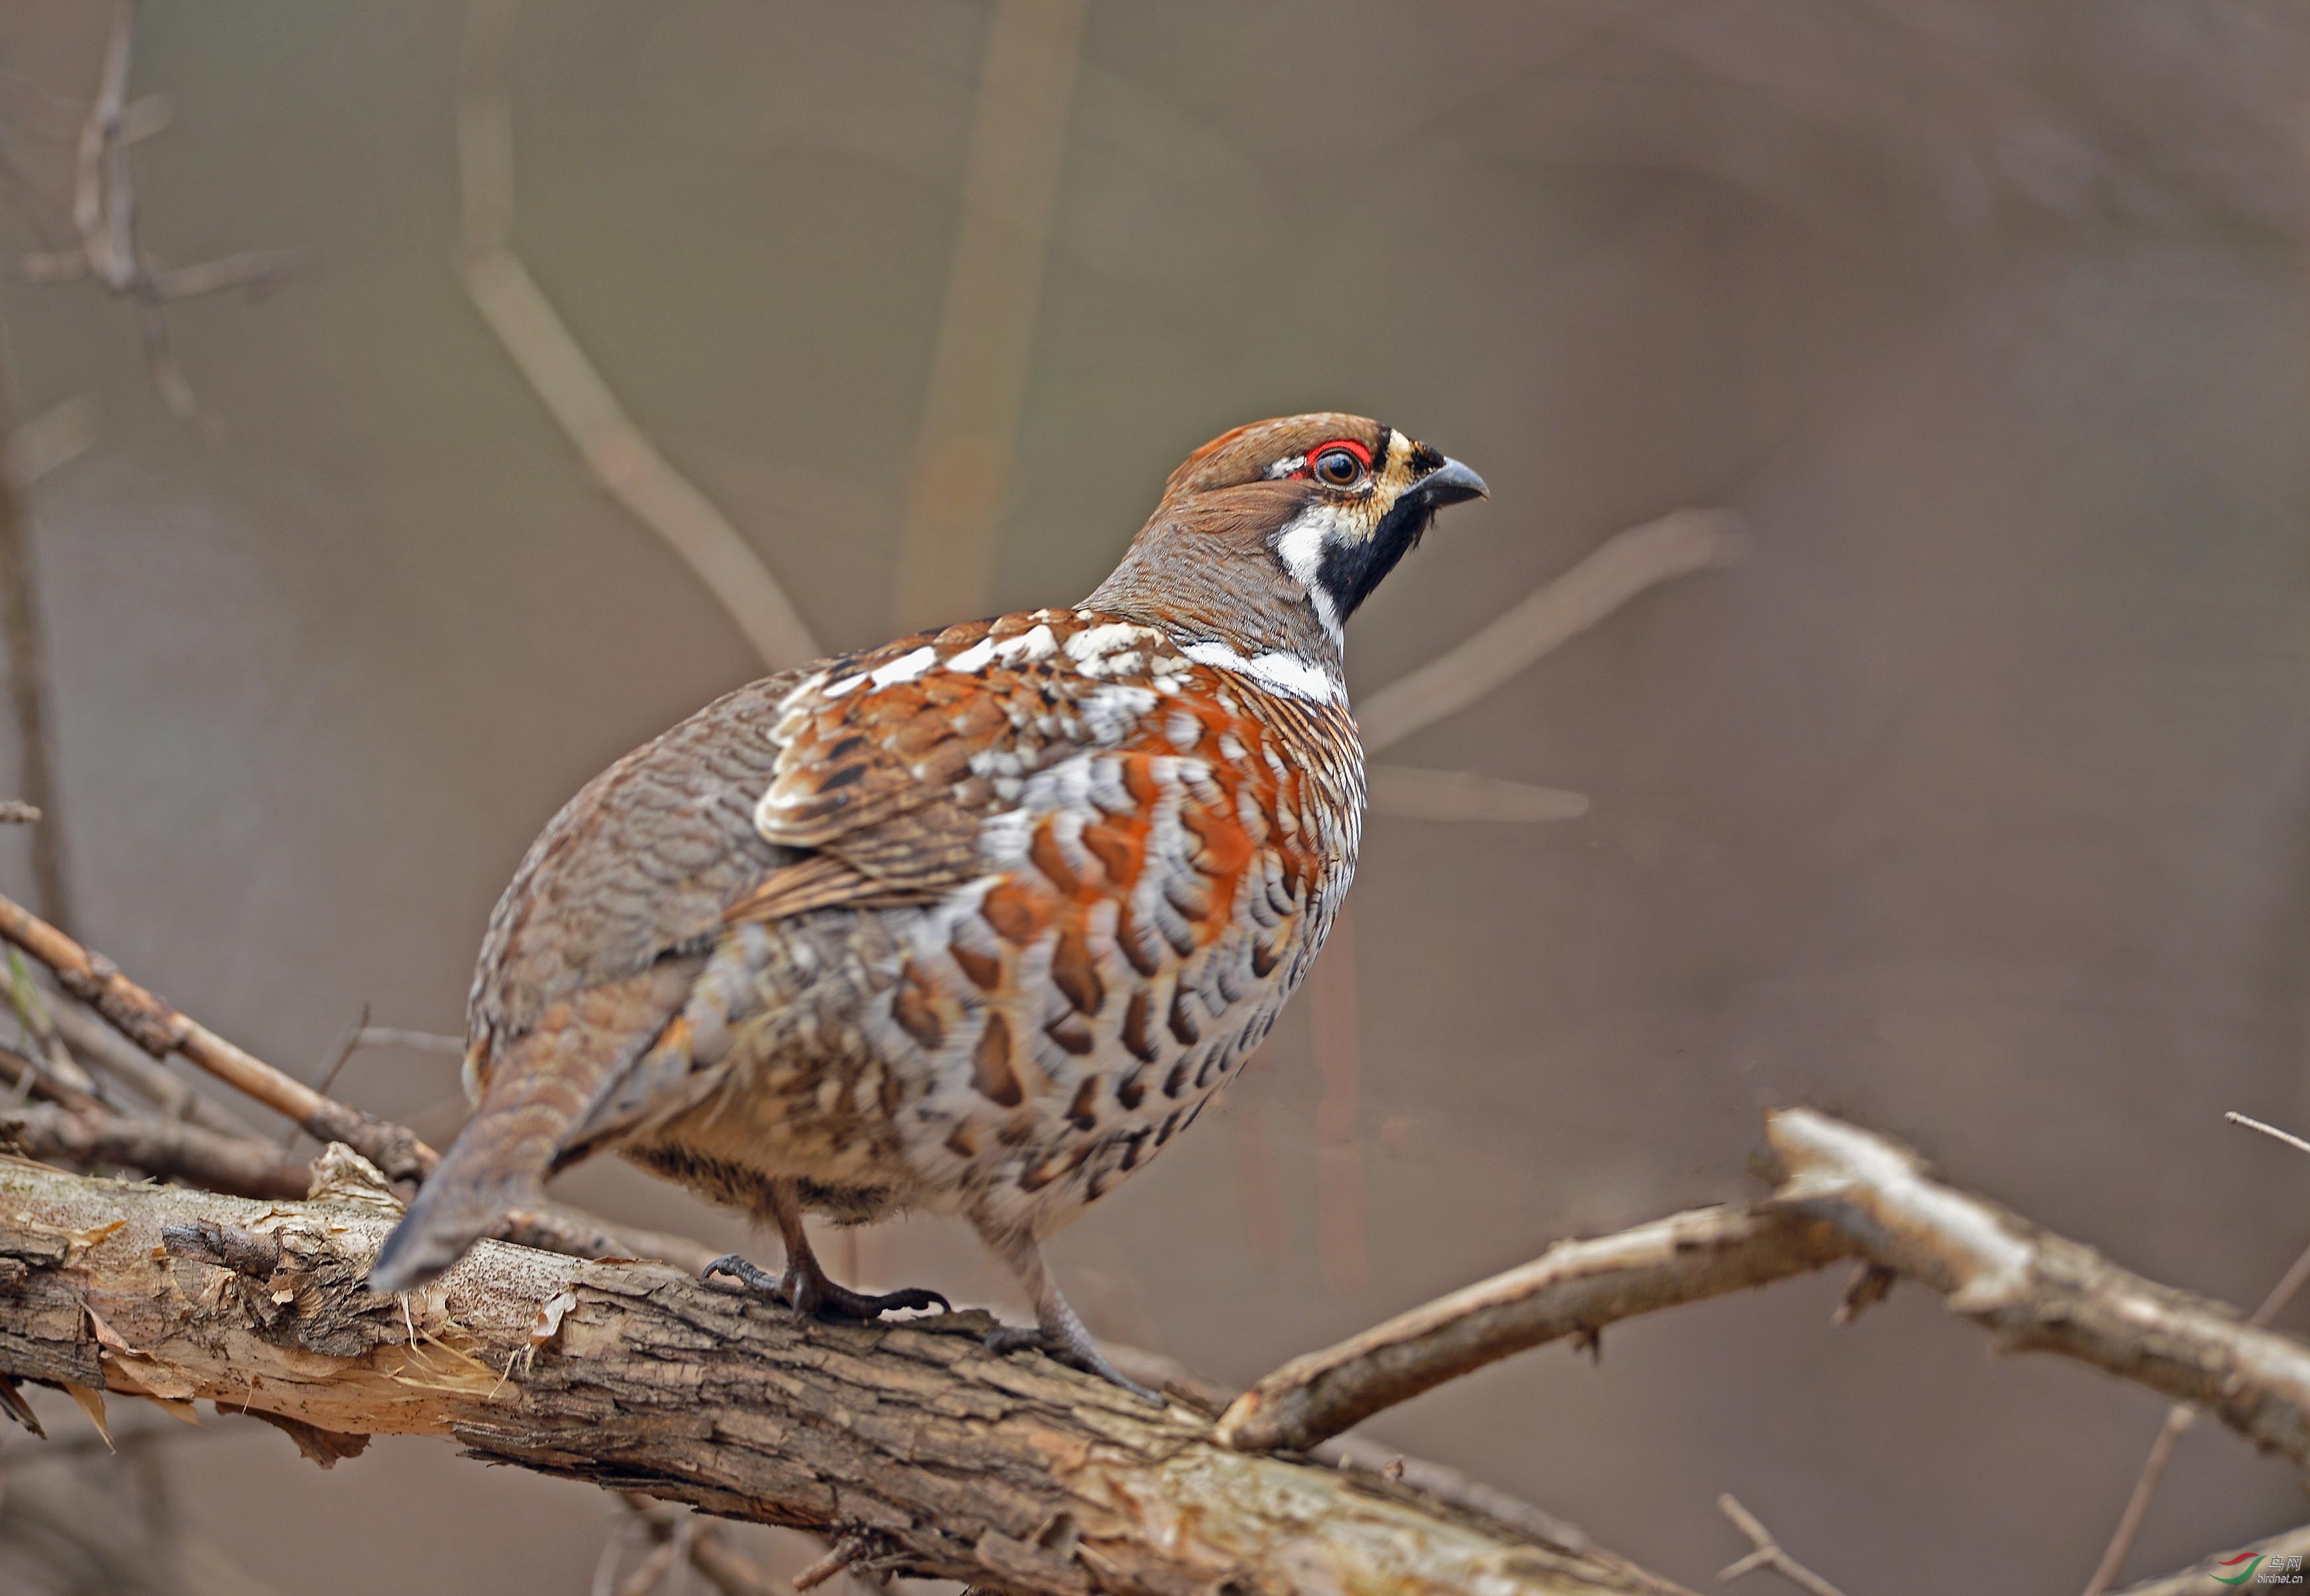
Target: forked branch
1845,1193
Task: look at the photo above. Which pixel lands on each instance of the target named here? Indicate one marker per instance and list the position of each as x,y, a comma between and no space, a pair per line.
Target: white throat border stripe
1284,673
1301,546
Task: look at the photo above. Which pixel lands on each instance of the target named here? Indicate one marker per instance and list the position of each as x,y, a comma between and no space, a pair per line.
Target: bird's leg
805,1287
1058,1331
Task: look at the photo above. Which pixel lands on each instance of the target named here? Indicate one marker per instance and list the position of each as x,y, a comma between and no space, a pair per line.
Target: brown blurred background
1971,806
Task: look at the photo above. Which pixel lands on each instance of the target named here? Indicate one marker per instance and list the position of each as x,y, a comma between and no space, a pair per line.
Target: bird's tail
498,1163
541,1098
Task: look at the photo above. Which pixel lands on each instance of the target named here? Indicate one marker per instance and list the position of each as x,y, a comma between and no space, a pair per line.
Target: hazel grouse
974,922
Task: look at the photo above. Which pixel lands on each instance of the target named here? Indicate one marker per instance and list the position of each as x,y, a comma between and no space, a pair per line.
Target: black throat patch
1348,574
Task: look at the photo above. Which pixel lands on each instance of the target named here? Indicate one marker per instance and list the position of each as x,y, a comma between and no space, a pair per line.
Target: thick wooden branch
944,1460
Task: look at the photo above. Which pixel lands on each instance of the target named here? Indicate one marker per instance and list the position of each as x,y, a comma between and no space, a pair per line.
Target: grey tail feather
447,1218
498,1163
543,1099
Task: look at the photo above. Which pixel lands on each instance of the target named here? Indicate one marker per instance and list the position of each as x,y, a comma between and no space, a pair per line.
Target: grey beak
1451,483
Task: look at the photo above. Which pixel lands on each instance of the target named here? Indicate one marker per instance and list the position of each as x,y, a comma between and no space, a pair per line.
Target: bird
974,923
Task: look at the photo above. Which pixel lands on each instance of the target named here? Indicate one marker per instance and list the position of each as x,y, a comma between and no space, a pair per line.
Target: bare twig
662,1561
1336,1034
1845,1194
2036,1291
2288,1137
2196,1579
348,1043
159,1029
1414,794
394,1036
621,458
978,371
105,1051
2178,1420
728,1570
28,702
25,1075
1622,567
48,441
846,1551
556,1227
104,217
2179,1417
1768,1553
1572,1290
90,1134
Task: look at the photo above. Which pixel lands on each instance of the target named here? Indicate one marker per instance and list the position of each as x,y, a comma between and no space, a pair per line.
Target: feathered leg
1058,1331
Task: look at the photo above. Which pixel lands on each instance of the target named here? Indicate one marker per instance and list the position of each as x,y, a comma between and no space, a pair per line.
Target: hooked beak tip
1451,484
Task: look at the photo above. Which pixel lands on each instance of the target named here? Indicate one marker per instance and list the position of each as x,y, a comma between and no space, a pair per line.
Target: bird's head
1275,532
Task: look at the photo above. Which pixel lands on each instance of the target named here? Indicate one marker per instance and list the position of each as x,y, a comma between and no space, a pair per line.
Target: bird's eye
1338,465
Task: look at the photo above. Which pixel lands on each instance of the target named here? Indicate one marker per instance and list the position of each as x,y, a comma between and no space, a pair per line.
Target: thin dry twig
1572,1290
1768,1553
51,440
2181,1416
846,1551
1336,1034
112,255
965,455
729,1570
105,1051
27,666
394,1036
2197,1579
1622,567
621,458
89,1133
1412,793
662,1561
2288,1137
159,1029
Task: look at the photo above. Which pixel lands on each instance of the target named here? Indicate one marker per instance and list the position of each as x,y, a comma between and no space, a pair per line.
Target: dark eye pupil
1338,465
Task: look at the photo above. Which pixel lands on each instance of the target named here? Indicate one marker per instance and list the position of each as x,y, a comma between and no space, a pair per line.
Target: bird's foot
808,1292
820,1295
1077,1351
745,1273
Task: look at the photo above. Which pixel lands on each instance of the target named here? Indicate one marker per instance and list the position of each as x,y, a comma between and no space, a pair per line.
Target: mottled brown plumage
976,921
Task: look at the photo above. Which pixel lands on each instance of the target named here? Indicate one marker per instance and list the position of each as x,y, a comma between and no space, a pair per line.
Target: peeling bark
949,1462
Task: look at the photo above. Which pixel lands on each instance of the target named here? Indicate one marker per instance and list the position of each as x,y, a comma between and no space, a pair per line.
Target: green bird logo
2252,1561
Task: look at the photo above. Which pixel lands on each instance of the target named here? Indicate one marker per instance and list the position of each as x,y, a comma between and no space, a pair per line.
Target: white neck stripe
1301,546
1285,674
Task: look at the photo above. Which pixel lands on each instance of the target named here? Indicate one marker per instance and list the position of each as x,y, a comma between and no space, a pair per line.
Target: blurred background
1971,805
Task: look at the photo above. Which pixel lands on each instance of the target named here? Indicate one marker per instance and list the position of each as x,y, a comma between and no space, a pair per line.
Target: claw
748,1274
1075,1353
810,1293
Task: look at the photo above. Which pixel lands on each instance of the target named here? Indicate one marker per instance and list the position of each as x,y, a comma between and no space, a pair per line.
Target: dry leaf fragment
550,1316
108,1336
95,1233
92,1402
13,1403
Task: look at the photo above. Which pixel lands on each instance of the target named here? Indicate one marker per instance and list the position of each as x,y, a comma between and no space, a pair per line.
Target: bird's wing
861,782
